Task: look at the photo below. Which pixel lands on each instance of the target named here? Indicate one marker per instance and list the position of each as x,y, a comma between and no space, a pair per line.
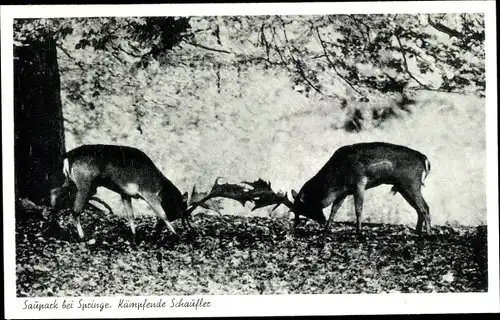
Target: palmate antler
226,190
261,195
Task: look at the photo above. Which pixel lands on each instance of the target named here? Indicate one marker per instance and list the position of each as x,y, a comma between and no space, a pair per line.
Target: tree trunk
38,121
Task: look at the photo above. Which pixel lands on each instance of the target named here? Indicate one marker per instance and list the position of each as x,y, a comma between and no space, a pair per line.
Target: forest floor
233,254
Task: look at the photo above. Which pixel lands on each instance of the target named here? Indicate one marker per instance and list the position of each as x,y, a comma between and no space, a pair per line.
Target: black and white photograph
280,159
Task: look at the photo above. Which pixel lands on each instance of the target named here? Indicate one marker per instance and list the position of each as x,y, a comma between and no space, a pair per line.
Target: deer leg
55,195
127,204
413,195
160,213
189,220
335,207
358,204
427,217
104,204
82,196
296,221
59,196
420,221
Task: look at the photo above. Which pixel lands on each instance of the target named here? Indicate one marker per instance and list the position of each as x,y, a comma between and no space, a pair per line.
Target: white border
228,9
276,304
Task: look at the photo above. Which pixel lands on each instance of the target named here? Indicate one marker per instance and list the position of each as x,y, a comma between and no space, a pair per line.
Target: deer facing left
125,170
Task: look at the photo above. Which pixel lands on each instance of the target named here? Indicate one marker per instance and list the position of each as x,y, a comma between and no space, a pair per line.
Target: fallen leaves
244,255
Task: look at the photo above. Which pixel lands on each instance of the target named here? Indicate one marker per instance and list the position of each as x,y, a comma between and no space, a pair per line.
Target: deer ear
294,194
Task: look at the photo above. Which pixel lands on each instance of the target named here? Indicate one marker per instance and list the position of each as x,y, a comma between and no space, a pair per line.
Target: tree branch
279,52
319,56
406,62
441,27
244,59
78,63
332,65
264,39
134,47
454,33
200,30
118,58
119,47
300,69
207,48
366,32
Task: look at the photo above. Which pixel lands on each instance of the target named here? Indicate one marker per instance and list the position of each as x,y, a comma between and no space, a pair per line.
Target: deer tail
66,167
60,192
427,169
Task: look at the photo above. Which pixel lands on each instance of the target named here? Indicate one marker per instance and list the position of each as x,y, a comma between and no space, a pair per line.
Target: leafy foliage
98,65
238,255
348,58
372,54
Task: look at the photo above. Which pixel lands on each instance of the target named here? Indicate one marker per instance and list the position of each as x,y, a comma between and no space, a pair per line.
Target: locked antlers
260,194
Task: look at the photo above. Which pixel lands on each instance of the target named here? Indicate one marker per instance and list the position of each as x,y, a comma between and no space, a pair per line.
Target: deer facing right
125,170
